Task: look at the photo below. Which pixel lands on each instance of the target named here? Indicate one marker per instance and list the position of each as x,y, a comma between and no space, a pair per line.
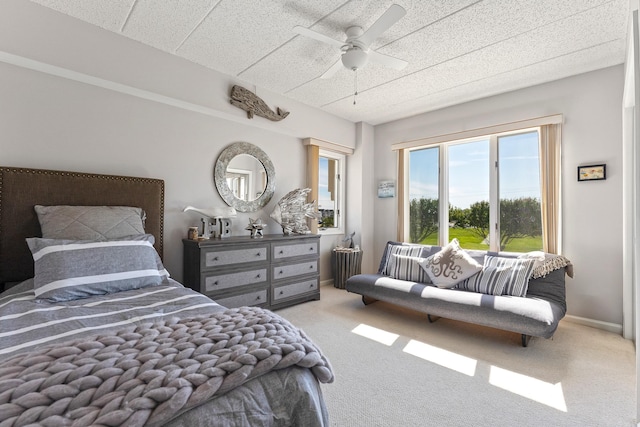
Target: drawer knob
258,298
281,272
311,248
258,254
311,285
215,258
281,252
281,292
215,283
311,267
257,276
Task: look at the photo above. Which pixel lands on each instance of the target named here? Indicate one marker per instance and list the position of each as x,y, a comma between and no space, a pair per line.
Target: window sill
330,231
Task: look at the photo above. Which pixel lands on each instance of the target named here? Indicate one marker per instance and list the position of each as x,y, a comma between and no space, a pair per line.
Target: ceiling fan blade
387,61
333,70
388,18
317,36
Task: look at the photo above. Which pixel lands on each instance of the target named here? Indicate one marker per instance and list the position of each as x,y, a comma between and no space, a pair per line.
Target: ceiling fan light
354,58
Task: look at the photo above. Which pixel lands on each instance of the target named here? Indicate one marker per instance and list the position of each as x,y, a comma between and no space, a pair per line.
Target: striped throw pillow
71,269
404,250
408,268
501,276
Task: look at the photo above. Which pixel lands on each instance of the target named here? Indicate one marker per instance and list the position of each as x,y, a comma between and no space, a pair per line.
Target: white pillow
450,266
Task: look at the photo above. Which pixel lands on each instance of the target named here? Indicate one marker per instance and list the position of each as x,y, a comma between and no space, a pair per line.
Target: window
326,164
330,190
486,190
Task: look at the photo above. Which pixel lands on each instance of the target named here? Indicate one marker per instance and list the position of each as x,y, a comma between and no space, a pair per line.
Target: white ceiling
458,50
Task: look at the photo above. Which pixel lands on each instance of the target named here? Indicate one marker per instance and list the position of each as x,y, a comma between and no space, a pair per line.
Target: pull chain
355,85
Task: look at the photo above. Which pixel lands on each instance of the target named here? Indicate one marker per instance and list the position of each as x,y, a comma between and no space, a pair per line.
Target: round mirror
244,177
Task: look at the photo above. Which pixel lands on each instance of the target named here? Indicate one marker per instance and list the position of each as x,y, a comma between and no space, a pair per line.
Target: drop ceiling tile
110,15
238,33
561,67
543,43
457,50
165,24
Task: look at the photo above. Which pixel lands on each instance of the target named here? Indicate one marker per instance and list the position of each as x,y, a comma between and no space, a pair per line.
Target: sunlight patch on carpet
529,387
375,334
454,361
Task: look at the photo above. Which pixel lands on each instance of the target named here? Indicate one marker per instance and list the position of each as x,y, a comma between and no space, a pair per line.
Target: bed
93,331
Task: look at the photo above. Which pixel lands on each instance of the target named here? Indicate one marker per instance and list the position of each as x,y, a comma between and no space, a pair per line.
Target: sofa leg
525,340
368,300
431,319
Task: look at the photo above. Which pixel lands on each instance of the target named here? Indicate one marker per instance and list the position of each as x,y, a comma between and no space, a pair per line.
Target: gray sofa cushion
550,288
532,316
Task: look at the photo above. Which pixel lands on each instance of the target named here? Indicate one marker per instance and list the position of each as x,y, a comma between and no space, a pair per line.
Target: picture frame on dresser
273,272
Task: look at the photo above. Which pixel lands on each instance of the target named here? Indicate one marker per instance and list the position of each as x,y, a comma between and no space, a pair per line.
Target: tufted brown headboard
21,189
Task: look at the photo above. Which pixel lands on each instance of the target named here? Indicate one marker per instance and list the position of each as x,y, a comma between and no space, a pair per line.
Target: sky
469,170
324,197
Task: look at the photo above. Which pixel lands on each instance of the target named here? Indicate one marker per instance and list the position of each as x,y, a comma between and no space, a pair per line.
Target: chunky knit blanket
150,373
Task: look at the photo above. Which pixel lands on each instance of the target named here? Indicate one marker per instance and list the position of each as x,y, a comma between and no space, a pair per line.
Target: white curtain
550,143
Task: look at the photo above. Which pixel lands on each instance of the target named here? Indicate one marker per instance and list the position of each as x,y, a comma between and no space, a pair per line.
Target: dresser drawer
218,282
288,291
250,298
240,270
293,250
218,257
292,270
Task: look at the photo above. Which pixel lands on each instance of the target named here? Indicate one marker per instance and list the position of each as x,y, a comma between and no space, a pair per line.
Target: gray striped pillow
408,268
72,269
90,222
501,276
404,250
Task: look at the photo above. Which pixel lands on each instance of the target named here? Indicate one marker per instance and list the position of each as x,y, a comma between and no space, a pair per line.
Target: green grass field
469,240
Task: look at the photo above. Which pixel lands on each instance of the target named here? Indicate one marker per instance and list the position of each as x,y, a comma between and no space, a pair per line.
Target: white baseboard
598,324
326,282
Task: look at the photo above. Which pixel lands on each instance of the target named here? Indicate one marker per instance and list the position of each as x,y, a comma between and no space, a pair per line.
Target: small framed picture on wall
386,189
592,172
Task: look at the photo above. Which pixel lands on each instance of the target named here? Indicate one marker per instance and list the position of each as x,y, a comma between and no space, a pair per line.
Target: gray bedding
282,397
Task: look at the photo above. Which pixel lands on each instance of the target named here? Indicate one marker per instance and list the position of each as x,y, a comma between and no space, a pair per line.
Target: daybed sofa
401,280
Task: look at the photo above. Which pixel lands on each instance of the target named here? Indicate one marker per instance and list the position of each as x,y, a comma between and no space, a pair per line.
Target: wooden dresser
274,271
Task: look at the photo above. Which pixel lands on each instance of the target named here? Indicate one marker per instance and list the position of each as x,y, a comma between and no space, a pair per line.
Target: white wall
592,211
50,120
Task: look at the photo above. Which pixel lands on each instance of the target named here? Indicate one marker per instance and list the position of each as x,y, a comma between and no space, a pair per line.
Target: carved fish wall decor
252,104
293,210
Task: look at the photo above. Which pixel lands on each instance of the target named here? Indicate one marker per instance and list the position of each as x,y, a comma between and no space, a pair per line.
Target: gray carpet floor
393,368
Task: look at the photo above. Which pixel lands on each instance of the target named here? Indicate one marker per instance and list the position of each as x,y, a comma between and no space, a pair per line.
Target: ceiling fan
355,49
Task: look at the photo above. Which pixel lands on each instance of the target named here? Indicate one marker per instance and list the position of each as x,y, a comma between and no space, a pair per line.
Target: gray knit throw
150,373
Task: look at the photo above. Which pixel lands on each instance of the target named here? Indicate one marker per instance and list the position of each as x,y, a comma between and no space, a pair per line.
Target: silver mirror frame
221,182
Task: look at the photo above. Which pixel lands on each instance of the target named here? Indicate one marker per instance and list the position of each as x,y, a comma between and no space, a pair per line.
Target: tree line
518,218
